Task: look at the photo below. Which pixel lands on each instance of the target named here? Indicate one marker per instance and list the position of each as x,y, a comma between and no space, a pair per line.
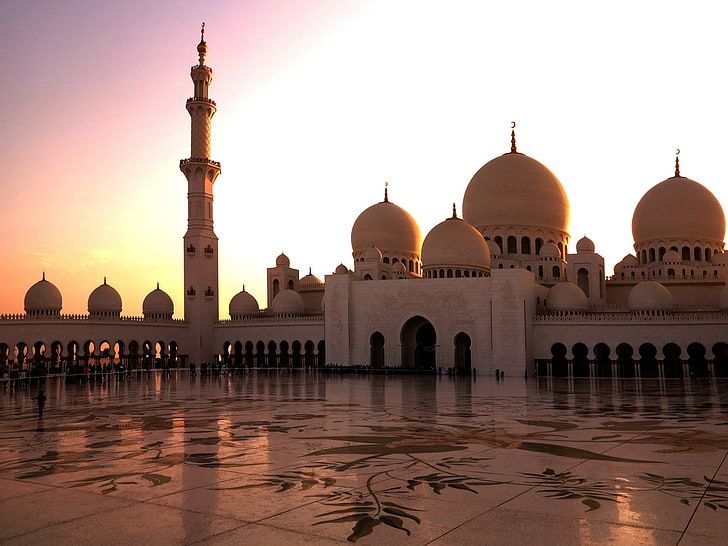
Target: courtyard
298,457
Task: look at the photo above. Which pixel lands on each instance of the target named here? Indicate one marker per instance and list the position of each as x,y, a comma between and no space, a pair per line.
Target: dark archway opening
720,359
376,350
462,353
697,363
625,363
648,361
419,341
581,360
602,360
672,364
559,366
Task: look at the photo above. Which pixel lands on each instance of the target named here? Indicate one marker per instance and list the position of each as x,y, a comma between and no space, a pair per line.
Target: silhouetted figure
497,374
475,372
525,374
41,398
503,374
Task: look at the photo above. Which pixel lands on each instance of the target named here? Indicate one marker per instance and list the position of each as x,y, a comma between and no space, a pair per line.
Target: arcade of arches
284,354
67,356
645,360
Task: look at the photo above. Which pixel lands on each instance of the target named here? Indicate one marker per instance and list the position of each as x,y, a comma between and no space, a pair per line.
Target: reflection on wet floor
293,456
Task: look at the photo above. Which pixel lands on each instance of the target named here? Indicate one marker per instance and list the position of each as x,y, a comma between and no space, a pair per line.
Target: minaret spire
202,46
677,163
454,211
386,193
513,138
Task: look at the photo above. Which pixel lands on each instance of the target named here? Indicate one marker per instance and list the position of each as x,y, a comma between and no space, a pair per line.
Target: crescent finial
513,124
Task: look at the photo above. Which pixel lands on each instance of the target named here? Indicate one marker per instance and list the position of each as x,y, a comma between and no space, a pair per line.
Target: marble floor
294,458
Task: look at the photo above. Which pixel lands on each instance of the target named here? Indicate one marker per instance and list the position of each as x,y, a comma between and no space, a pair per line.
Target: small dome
566,296
494,249
104,300
549,250
678,208
671,257
723,300
630,260
310,280
585,245
649,296
341,269
43,298
399,267
720,258
287,302
373,254
389,228
158,305
455,243
242,304
283,261
503,193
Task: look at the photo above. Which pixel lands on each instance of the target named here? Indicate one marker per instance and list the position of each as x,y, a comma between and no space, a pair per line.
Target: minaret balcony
203,160
209,293
201,99
209,251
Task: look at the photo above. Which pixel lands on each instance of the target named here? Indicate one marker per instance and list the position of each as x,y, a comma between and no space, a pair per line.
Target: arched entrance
376,350
697,364
580,365
602,360
672,365
419,341
462,353
559,366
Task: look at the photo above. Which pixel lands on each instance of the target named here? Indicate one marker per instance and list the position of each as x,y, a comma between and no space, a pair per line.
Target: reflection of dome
678,208
455,243
494,249
566,296
549,250
242,304
158,305
585,244
104,301
283,261
341,269
43,298
516,190
287,302
649,296
671,257
388,227
373,254
724,297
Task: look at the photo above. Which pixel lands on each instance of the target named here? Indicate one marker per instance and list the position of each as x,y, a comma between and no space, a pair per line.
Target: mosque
494,287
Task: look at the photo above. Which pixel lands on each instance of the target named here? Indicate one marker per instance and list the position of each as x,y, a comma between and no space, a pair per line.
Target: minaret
200,241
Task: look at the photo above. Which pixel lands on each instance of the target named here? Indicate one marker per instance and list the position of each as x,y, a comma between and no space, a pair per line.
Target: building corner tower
200,241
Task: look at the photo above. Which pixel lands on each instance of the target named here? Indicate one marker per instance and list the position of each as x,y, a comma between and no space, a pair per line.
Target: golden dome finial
677,162
513,137
202,46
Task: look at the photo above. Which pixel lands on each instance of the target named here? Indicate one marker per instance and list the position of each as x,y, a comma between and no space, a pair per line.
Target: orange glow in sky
320,103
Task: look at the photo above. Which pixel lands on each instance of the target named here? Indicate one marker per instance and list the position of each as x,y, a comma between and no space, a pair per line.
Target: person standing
41,398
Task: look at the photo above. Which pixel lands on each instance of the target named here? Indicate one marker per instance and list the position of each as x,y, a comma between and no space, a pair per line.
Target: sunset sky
319,103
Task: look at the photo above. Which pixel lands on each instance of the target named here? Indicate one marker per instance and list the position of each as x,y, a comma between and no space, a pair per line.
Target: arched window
458,273
528,268
500,266
556,272
540,271
385,260
561,249
442,273
467,273
582,280
643,254
512,245
652,255
367,277
276,287
686,253
539,244
411,266
290,285
707,254
671,273
525,245
499,241
697,254
449,273
662,252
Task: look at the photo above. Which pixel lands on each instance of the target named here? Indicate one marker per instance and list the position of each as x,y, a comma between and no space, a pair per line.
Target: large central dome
678,208
516,190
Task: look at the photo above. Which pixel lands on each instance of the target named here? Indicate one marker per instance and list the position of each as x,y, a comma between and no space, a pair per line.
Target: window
499,241
512,245
556,272
525,245
697,254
